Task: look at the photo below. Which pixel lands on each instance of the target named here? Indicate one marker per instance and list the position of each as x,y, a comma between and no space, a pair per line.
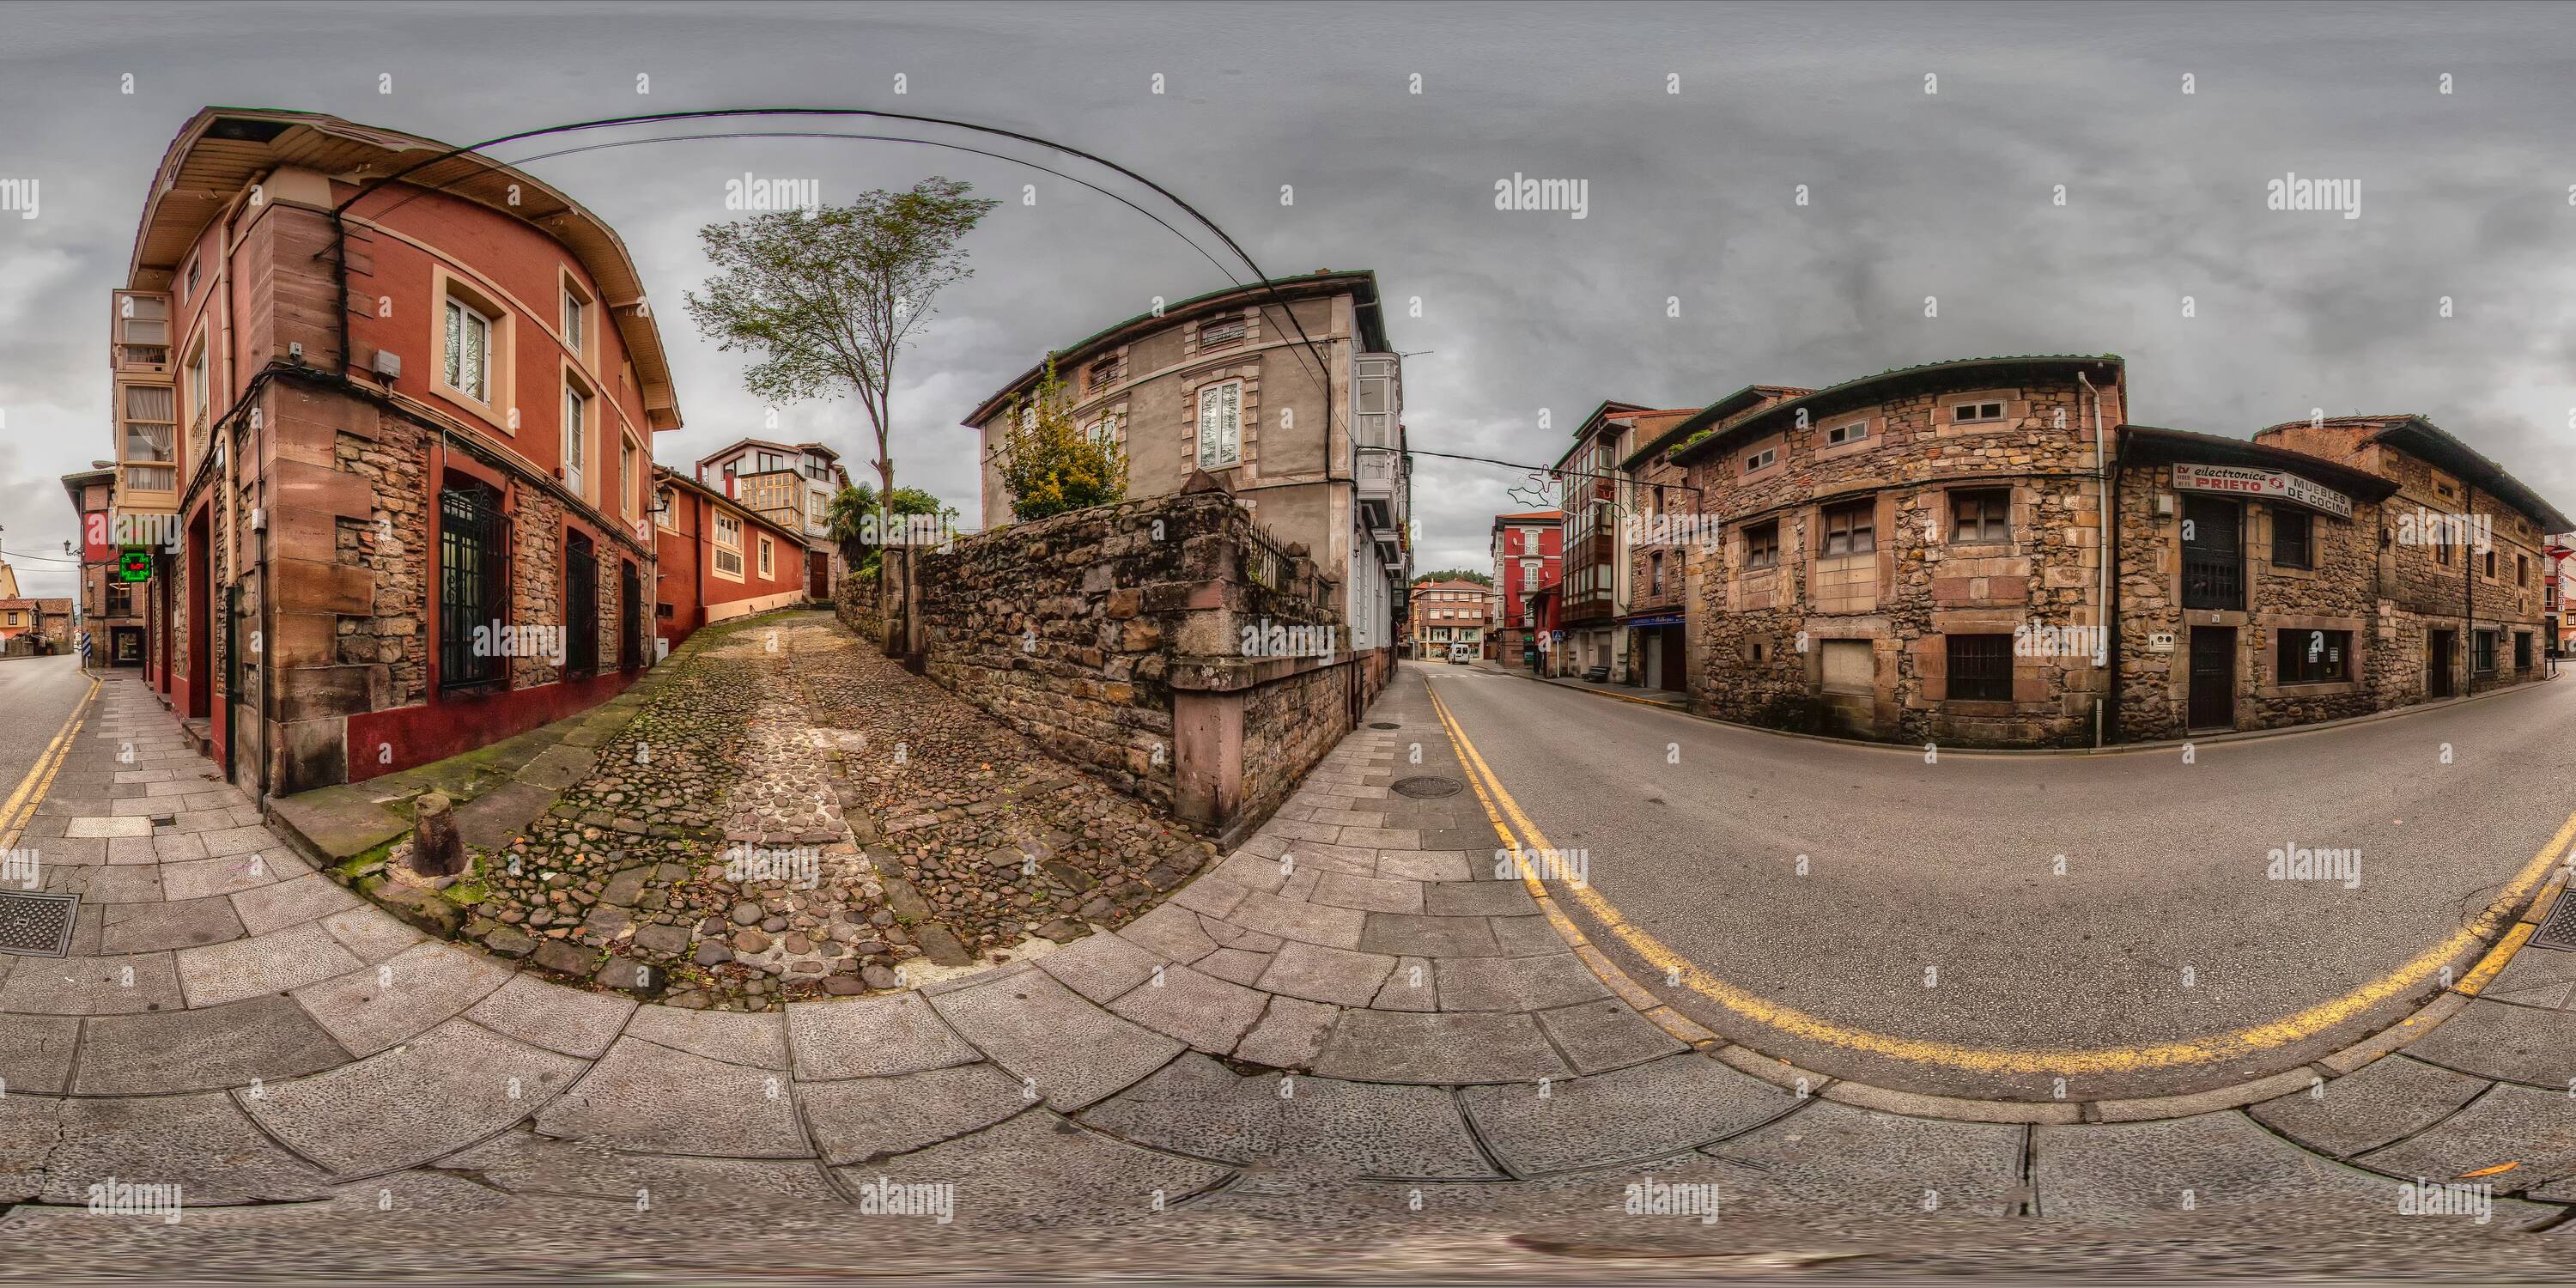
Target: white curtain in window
1221,425
469,351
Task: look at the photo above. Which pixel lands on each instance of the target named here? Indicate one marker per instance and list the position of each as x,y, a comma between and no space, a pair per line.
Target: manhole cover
36,925
1384,724
2558,929
1428,785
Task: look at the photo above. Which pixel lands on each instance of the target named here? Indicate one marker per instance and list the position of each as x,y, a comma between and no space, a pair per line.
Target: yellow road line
2225,1046
1671,1021
22,803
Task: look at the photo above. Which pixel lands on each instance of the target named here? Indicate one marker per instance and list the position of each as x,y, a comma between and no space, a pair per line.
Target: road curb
1749,1060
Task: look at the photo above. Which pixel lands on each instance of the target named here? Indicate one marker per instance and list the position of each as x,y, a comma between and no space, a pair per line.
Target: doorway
581,605
2440,649
2213,677
245,738
818,575
200,619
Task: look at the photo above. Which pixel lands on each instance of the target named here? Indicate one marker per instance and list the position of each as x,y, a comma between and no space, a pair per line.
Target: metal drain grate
1428,785
37,925
1384,724
2558,929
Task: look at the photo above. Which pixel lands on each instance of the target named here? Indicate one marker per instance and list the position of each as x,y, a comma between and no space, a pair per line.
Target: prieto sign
2270,485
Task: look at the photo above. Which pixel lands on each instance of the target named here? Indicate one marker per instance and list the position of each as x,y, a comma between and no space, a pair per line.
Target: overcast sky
1691,196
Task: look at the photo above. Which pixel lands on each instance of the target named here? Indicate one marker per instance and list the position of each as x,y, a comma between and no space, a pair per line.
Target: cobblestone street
821,823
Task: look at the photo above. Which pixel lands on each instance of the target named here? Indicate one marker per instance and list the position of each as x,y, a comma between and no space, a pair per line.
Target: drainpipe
2469,589
2102,552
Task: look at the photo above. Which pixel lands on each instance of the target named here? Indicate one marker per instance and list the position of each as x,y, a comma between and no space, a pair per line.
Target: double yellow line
22,803
1677,968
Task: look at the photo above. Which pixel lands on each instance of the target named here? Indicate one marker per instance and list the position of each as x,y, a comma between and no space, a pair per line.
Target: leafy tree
828,297
1052,465
1456,574
854,517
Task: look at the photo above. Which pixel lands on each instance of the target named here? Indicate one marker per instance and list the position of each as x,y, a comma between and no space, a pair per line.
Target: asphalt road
37,695
1914,868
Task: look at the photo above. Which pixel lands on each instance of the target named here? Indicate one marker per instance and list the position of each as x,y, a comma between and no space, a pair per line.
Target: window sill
2310,689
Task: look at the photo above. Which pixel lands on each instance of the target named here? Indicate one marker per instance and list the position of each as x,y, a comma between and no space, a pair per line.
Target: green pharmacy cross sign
134,565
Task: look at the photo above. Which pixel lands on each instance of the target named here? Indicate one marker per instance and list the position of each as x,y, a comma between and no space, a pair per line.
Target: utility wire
1322,364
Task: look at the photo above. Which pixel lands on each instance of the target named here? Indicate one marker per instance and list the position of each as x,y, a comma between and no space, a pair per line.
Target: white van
1462,653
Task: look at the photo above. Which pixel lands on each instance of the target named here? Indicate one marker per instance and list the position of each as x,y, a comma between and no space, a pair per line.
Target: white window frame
626,456
1851,433
1220,425
199,396
576,437
576,320
1762,460
458,311
1974,413
768,557
728,526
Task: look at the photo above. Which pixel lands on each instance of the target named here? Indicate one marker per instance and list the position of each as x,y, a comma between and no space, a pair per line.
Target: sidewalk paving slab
573,1021
200,1142
1038,1029
755,1039
525,1162
1438,1048
266,1038
869,1037
2222,1164
1864,1161
2380,1102
1036,1168
861,1120
2505,1042
661,1100
402,1107
1647,1111
1307,1125
371,1008
2533,1130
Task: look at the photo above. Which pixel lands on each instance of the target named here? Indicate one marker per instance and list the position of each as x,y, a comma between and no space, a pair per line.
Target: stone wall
1115,637
855,602
2338,594
393,541
1762,635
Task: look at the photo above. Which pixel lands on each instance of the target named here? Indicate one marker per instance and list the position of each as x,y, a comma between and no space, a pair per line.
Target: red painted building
1528,557
398,409
720,559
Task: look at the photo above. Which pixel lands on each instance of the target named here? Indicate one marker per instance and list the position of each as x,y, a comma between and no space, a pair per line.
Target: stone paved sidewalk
1346,1026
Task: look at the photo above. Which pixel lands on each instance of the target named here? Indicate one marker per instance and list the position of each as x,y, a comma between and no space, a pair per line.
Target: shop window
2302,656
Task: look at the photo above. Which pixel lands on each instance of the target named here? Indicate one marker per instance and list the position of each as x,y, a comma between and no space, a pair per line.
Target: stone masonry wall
855,602
1762,632
393,541
1083,630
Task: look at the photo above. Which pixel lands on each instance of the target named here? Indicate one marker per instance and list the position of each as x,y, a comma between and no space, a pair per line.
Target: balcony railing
1378,473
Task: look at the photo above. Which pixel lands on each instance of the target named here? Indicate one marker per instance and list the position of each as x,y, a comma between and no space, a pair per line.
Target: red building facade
720,559
1528,551
400,422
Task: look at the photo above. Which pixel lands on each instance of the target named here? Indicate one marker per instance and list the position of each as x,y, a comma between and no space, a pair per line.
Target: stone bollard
436,848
